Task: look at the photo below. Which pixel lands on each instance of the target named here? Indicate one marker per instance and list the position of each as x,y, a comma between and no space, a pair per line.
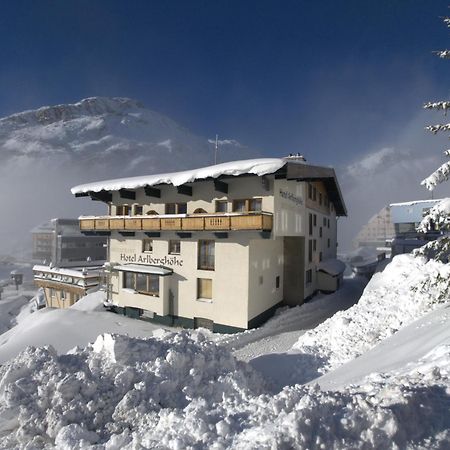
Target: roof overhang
327,175
142,268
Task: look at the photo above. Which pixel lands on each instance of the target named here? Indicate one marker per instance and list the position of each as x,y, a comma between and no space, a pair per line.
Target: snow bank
182,391
259,167
408,288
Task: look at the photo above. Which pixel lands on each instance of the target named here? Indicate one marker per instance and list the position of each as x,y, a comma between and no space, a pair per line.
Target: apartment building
221,246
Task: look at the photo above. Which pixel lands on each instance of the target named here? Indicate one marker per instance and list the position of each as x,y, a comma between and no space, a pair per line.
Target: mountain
117,132
44,152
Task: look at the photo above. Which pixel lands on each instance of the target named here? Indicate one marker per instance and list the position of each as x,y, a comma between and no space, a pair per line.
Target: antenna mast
216,147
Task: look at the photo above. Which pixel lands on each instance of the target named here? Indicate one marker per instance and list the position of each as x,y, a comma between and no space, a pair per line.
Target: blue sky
332,79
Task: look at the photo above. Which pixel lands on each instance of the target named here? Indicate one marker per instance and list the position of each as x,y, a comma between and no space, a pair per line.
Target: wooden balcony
260,221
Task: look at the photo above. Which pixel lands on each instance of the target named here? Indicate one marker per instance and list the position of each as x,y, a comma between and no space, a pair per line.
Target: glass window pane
170,208
255,204
128,280
141,282
174,247
182,208
204,286
206,251
221,206
153,285
239,205
147,245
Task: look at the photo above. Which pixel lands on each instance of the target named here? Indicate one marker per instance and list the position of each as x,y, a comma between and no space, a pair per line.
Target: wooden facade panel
116,224
250,222
151,224
267,222
133,224
171,224
87,224
217,223
101,224
212,223
193,223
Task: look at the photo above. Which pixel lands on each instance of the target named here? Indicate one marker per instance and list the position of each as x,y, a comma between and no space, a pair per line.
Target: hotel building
222,246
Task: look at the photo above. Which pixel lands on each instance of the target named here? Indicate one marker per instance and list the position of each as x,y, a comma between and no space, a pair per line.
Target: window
200,211
260,280
314,193
310,250
315,219
123,210
320,232
206,250
147,245
314,245
310,189
176,208
328,223
221,206
309,276
152,212
310,224
320,198
239,205
250,204
277,282
328,242
204,288
255,204
144,283
320,256
324,221
174,247
138,210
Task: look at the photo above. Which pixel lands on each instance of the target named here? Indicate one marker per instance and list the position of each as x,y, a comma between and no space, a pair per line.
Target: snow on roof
79,272
262,166
156,270
416,202
333,267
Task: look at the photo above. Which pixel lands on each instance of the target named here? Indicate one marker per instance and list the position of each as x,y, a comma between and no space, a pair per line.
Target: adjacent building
59,242
70,261
378,232
221,246
406,217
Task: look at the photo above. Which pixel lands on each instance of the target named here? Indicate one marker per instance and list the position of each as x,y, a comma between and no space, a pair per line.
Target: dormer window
137,210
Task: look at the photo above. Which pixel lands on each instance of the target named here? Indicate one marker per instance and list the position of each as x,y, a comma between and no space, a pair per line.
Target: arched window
200,211
152,212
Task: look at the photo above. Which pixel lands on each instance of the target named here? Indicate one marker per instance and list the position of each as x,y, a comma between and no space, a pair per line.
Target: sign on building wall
167,260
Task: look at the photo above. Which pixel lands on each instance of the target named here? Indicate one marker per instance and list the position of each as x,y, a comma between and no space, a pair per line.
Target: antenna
216,148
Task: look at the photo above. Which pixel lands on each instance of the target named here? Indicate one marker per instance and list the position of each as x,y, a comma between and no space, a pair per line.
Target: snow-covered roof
262,166
416,202
156,270
333,267
79,272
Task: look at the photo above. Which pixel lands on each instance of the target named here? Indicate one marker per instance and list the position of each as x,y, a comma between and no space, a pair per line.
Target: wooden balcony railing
260,221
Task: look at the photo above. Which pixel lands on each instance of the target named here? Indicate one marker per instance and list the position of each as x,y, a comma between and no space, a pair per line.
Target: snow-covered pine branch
439,127
446,21
447,152
438,105
437,218
437,177
445,54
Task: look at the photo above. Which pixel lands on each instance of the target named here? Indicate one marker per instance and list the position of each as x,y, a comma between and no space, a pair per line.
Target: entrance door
200,322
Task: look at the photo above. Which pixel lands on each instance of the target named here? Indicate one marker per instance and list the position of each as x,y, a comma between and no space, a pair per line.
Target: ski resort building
221,246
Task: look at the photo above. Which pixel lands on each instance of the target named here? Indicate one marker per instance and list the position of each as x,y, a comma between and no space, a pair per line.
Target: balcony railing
259,221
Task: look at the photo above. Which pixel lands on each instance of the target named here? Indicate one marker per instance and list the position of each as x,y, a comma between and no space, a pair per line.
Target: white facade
277,232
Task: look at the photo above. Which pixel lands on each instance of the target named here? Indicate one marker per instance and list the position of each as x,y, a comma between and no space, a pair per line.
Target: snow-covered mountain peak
91,106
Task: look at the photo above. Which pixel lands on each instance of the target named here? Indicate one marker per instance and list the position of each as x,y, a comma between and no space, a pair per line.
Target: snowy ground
375,375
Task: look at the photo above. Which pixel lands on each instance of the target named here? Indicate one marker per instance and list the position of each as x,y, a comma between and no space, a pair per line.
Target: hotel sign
291,197
167,260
